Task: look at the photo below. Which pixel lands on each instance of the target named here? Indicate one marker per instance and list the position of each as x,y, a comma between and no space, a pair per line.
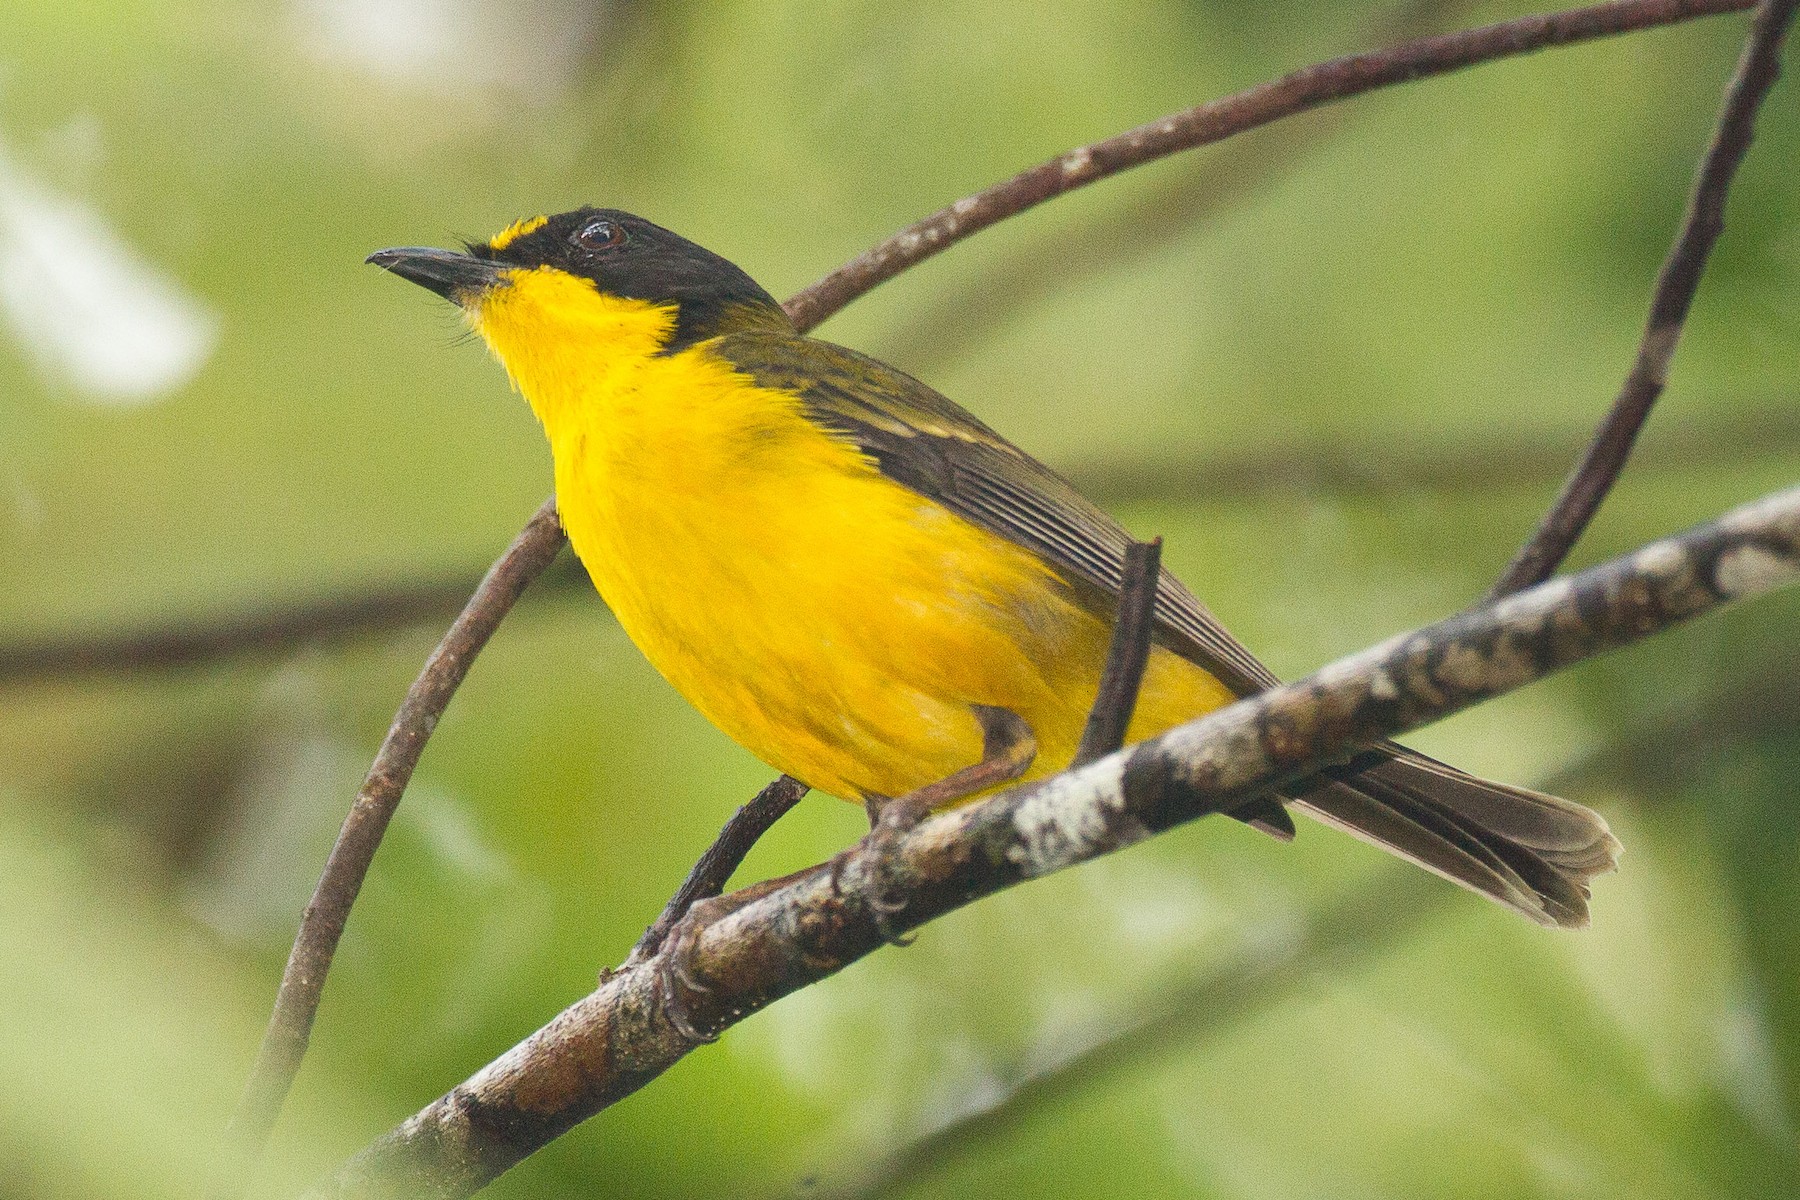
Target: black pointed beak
451,275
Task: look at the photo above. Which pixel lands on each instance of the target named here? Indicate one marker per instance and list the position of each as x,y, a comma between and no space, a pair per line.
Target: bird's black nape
625,255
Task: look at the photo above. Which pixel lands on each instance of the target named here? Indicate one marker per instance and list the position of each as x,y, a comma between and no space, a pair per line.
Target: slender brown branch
958,319
713,870
537,545
322,924
1204,124
960,315
1127,654
1594,476
733,956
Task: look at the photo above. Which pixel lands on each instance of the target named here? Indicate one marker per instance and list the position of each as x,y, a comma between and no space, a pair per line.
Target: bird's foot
675,979
890,820
675,982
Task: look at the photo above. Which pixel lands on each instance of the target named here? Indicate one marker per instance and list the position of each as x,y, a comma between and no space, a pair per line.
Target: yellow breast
835,623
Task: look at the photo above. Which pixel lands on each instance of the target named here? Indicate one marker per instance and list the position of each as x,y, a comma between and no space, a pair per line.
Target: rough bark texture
732,956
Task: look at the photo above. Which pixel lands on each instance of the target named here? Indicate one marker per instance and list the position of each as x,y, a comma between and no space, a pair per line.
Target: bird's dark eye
599,234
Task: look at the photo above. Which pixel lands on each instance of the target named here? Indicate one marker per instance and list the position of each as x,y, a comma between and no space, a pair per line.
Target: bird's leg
1007,748
713,869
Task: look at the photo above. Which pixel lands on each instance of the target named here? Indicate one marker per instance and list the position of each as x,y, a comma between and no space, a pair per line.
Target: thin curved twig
290,1024
322,924
1127,654
1593,477
739,954
961,314
1205,124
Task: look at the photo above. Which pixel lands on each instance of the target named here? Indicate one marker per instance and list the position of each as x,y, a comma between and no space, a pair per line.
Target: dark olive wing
1531,852
922,440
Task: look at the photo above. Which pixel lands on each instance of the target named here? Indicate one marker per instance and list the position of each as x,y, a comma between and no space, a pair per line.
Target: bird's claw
892,821
670,970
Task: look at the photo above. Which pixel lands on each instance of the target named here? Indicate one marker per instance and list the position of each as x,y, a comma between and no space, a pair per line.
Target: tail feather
1529,851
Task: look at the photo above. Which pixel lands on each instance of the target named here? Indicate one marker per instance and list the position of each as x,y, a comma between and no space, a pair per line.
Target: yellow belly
841,628
836,624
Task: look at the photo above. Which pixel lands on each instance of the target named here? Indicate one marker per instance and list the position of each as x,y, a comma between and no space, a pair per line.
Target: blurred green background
1340,364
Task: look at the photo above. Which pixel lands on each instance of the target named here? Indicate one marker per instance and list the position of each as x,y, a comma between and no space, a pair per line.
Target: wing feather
1531,852
921,439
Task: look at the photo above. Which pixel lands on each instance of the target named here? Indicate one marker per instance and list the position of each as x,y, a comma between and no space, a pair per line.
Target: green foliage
1459,265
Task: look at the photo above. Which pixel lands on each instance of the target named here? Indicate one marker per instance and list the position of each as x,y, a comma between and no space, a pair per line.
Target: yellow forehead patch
515,231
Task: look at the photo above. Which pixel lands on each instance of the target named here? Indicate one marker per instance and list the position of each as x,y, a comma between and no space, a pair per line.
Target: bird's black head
620,254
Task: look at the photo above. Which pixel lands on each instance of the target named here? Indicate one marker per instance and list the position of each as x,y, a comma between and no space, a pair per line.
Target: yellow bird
867,587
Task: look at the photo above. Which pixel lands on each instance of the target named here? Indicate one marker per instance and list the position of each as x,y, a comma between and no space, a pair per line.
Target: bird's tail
1529,851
